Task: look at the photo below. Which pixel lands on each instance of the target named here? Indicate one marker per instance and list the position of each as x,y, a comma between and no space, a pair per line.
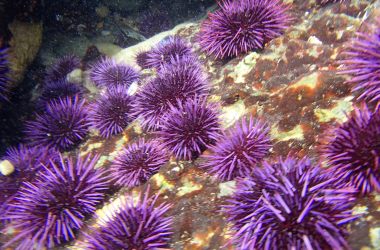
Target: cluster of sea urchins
289,204
182,79
240,26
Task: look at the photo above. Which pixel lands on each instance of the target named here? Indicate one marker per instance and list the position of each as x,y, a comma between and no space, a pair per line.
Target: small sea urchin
362,63
138,225
237,153
4,70
49,211
141,59
290,205
107,72
60,89
63,125
352,151
58,71
138,162
189,128
181,79
169,48
241,26
111,113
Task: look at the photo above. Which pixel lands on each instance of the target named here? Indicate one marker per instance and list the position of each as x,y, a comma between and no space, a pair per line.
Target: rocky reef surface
292,83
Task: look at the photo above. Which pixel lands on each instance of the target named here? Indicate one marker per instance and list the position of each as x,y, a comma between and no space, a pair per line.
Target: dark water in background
65,21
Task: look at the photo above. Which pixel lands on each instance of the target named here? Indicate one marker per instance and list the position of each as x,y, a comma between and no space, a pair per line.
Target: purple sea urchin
189,128
139,225
237,153
26,162
138,162
181,79
111,113
63,125
362,63
241,26
107,72
4,70
141,59
48,211
60,89
290,205
169,48
58,71
353,151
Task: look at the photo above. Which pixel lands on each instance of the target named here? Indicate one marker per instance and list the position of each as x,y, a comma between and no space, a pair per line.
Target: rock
25,43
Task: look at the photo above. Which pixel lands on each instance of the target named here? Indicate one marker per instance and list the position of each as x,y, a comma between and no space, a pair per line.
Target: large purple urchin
353,151
60,89
189,128
63,125
181,79
58,71
107,72
138,225
169,48
111,113
237,153
4,70
362,63
49,211
27,164
290,205
241,26
136,163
